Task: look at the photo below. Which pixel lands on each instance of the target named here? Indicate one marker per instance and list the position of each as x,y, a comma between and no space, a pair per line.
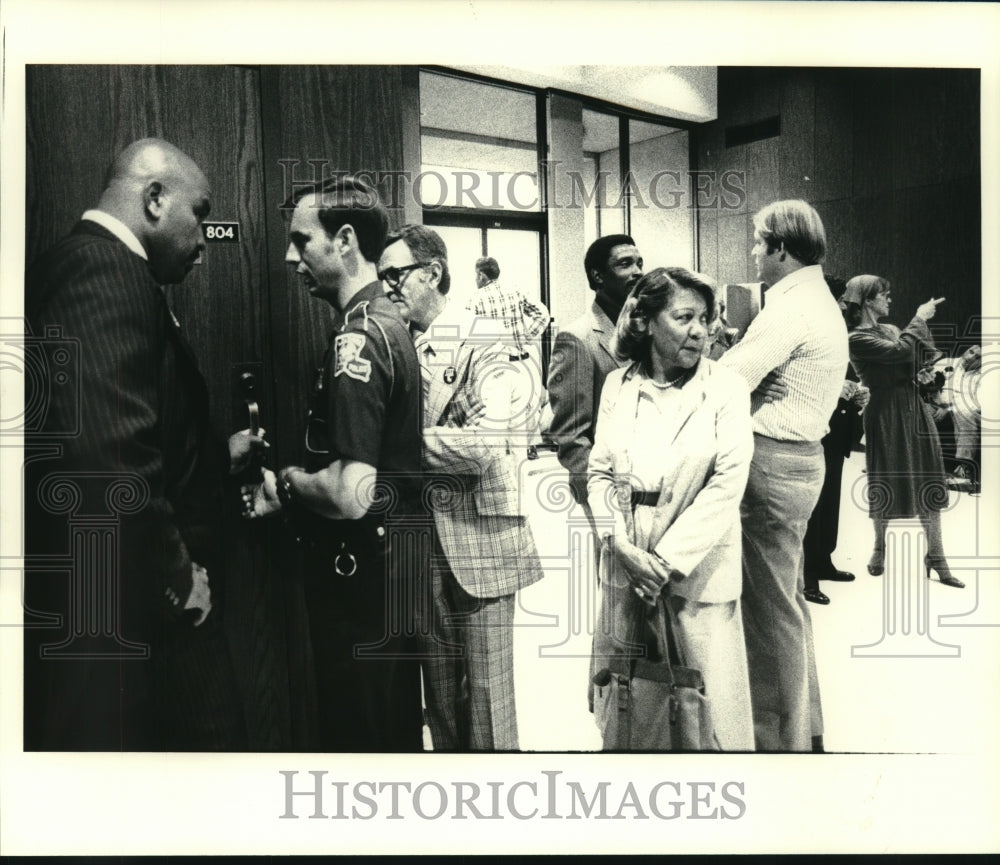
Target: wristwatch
285,495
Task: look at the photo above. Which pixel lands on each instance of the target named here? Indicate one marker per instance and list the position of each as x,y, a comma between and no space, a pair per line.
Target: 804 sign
221,232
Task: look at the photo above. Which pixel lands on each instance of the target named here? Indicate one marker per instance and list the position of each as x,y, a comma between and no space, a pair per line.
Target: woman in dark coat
906,476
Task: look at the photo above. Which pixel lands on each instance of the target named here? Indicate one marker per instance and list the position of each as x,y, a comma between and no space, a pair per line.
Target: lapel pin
449,375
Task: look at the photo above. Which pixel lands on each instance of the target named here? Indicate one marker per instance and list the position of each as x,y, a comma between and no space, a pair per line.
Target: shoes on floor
837,576
816,596
939,564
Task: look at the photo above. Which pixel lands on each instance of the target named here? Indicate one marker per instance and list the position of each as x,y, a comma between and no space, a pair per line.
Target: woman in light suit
670,461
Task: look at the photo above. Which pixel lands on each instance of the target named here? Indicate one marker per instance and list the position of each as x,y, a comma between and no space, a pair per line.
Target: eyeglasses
393,276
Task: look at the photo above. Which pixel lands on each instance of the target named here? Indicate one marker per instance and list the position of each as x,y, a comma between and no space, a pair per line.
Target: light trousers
782,490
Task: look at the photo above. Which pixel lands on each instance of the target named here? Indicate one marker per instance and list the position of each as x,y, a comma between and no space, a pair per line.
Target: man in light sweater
800,335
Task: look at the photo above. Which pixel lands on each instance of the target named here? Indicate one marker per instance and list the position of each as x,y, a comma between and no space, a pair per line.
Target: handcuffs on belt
344,562
342,553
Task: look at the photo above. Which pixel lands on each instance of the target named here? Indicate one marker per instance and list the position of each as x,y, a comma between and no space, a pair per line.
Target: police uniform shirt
366,400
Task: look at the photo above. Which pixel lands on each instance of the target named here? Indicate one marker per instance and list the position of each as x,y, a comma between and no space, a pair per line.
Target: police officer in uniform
361,480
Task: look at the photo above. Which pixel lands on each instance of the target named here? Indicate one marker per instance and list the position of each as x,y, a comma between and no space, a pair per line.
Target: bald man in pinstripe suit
136,660
473,436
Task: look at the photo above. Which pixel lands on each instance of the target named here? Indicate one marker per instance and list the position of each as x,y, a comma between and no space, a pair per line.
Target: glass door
518,252
465,245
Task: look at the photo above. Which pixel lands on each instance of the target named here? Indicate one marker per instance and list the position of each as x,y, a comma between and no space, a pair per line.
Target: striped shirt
800,332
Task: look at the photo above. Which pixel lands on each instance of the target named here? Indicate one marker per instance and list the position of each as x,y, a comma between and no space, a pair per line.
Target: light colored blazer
581,359
472,447
696,527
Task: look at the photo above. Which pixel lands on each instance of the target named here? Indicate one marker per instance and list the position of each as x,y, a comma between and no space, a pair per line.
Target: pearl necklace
671,383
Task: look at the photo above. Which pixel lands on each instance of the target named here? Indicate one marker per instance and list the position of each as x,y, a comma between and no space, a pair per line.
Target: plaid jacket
471,457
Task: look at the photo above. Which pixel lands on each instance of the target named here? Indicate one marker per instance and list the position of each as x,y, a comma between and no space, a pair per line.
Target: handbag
644,704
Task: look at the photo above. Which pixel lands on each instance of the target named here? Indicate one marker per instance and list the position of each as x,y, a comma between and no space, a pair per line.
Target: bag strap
666,631
639,618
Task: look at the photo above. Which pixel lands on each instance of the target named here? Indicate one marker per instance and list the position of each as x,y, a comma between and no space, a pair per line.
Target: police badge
347,357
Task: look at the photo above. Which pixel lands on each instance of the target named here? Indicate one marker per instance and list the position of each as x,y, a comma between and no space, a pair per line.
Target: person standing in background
906,476
800,335
520,325
582,357
824,524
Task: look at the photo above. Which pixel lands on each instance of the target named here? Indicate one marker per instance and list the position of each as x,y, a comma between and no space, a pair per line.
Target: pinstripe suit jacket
472,461
140,413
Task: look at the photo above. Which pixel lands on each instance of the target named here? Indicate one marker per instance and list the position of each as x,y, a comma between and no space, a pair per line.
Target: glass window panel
479,145
463,105
451,186
464,246
605,210
661,219
516,251
590,221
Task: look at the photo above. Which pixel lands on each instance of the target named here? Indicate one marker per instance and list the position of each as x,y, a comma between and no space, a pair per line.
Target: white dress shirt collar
118,229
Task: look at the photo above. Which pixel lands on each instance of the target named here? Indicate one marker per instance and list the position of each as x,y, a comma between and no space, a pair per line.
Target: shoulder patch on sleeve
347,357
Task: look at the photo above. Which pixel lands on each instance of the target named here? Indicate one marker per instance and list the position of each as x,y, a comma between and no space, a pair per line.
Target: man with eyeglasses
483,550
361,475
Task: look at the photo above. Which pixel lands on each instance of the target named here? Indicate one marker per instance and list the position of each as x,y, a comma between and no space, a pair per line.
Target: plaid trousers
467,647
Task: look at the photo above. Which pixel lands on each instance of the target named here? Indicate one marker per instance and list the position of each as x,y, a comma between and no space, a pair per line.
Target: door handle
245,388
248,385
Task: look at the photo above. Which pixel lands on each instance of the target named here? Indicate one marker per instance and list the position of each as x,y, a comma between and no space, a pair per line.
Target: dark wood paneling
732,159
409,128
941,116
352,117
796,144
833,176
892,158
762,168
960,121
708,246
841,226
873,131
734,264
873,235
749,94
70,144
707,144
915,213
81,117
936,243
